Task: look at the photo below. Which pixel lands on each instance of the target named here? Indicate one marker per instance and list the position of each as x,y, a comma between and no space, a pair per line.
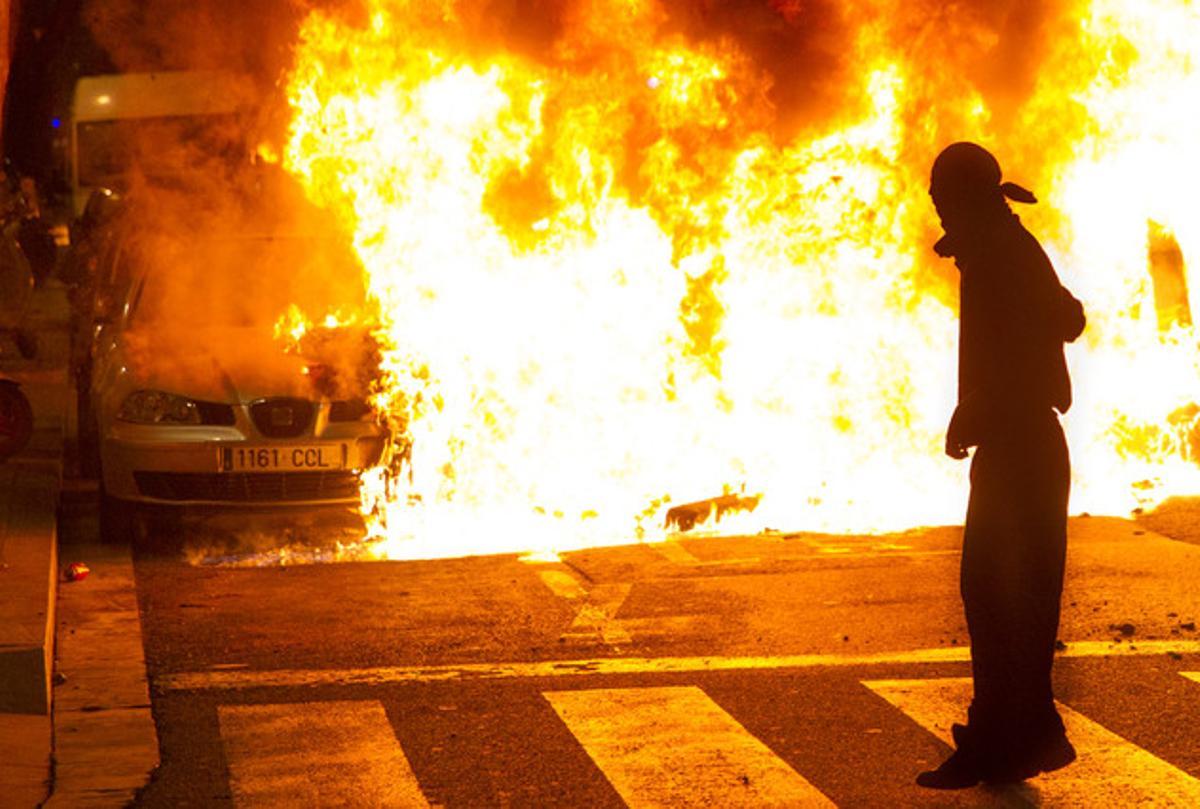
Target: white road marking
382,675
596,619
1194,676
1110,770
596,608
563,584
316,754
672,551
673,746
865,547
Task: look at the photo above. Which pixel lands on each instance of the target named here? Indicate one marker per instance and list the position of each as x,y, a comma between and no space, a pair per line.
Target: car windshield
157,147
238,282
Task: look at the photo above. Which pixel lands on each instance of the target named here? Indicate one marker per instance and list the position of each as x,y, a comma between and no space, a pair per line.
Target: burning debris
709,512
1169,276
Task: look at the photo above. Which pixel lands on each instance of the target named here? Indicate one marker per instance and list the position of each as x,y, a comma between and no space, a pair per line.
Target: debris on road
685,517
76,571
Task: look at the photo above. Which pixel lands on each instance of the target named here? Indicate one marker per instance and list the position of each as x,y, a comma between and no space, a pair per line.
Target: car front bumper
190,466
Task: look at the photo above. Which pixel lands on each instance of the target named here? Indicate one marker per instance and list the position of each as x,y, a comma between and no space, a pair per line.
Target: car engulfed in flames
196,404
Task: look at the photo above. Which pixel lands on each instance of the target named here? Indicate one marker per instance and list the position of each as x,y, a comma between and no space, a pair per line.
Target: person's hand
954,448
957,441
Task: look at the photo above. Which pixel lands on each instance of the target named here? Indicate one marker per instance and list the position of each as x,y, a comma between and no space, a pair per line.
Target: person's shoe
1056,753
957,772
1053,754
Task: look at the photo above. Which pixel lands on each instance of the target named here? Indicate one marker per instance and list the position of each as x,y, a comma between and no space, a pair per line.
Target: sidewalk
29,490
75,723
74,708
105,742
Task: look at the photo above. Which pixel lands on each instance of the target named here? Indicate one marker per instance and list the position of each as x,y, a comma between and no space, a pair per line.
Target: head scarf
967,170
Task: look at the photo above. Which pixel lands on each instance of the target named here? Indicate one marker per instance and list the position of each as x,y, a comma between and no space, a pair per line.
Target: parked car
95,271
196,405
17,278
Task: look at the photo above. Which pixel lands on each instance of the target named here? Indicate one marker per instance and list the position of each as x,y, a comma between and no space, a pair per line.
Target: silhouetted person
1015,316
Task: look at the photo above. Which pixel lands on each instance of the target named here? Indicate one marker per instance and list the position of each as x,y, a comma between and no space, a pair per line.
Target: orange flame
607,280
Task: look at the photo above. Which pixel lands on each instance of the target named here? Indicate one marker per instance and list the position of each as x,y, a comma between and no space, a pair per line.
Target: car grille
348,410
215,413
282,418
241,487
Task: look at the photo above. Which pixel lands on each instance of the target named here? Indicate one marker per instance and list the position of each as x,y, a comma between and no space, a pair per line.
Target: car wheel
118,519
88,431
89,448
158,529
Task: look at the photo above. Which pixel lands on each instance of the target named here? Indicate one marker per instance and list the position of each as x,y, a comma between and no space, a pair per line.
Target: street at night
781,670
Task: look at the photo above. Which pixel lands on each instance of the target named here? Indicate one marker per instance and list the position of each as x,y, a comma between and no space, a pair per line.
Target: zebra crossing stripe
1110,770
316,754
673,746
672,551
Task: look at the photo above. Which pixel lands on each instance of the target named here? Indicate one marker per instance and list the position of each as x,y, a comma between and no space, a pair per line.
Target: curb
30,484
26,730
105,740
27,637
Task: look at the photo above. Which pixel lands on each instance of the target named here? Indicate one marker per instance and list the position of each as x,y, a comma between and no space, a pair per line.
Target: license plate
282,459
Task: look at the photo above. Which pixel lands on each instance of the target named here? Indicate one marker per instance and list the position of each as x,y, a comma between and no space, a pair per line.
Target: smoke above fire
626,254
223,242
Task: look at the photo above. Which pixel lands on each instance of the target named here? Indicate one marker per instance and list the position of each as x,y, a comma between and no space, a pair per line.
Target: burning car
196,403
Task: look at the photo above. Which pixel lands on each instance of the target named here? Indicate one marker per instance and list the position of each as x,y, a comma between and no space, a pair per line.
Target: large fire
611,278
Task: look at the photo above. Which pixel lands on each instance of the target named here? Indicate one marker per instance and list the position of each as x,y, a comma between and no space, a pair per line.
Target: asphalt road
778,670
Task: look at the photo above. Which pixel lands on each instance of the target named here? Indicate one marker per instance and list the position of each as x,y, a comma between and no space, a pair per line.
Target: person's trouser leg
1013,556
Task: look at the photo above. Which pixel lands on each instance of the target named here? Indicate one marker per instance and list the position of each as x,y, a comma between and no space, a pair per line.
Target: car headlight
157,407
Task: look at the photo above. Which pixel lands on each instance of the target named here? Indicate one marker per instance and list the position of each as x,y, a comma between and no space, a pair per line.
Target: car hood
230,365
